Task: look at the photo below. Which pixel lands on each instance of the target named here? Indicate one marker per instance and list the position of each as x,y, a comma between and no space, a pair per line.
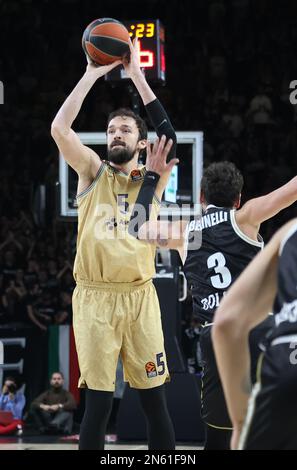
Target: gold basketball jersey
105,250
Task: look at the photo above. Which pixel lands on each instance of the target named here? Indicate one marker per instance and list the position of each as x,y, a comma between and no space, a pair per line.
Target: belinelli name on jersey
208,220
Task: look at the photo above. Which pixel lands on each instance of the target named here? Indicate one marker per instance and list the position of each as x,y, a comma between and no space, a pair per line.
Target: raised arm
246,304
259,209
80,157
154,108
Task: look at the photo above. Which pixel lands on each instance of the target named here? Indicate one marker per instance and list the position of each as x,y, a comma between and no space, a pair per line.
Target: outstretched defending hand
156,157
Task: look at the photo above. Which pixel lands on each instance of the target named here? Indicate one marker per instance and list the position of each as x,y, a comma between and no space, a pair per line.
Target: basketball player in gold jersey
115,306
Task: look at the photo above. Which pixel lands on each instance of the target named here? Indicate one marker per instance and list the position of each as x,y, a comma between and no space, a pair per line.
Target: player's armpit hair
144,200
161,123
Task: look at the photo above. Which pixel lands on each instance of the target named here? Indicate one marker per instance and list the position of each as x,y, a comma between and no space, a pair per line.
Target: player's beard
120,154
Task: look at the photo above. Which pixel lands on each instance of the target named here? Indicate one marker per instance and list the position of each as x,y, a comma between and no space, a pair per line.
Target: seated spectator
52,411
13,401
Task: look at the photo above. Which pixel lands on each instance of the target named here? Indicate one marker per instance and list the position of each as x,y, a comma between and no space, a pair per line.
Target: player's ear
202,198
141,144
238,202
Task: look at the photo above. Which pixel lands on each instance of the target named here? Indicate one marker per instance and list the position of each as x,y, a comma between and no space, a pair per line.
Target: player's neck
126,167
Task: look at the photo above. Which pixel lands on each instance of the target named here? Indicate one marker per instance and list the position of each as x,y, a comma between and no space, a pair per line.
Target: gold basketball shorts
112,319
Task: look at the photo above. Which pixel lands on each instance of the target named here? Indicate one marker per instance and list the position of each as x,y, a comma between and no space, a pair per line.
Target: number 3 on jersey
223,277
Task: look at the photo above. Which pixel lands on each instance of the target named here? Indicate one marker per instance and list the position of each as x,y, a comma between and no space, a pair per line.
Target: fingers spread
131,44
161,146
156,145
168,146
136,43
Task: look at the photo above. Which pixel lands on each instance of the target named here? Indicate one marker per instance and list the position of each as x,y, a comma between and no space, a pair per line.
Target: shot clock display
151,37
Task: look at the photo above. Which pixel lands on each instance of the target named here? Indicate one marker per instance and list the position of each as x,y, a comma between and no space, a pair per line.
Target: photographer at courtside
12,401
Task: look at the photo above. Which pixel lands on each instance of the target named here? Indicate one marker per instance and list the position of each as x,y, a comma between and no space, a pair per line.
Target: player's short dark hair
221,184
141,124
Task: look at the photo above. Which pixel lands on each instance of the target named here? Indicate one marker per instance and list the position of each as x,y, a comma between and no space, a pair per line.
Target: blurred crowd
229,68
36,281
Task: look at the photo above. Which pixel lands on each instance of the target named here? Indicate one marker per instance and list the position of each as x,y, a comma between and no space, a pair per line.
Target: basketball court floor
56,443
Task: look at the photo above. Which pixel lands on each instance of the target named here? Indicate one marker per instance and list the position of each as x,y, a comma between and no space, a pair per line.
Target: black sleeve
162,126
142,207
161,123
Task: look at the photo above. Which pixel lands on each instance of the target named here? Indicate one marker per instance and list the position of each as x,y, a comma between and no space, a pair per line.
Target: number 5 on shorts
160,363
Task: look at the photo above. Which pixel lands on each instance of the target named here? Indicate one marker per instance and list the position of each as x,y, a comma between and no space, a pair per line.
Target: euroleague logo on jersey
136,175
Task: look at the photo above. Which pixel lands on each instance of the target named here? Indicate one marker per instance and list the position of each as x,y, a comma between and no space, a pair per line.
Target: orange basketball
105,40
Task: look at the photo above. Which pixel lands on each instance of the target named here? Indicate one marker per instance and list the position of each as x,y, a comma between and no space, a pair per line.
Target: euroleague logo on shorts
151,370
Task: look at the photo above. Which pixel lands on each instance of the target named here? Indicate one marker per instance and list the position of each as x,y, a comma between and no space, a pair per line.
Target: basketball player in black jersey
270,281
230,240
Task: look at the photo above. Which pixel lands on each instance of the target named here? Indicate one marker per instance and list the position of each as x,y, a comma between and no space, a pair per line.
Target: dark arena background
226,71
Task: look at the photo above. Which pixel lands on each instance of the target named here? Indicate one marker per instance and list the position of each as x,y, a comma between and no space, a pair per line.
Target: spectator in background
2,304
53,281
31,274
13,401
53,410
43,279
13,297
9,265
260,109
64,313
42,310
233,119
67,282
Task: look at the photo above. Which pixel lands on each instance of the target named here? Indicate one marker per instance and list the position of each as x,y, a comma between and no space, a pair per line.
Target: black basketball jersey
285,305
224,253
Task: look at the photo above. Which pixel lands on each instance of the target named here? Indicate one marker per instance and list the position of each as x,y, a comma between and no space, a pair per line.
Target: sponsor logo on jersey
113,223
151,370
